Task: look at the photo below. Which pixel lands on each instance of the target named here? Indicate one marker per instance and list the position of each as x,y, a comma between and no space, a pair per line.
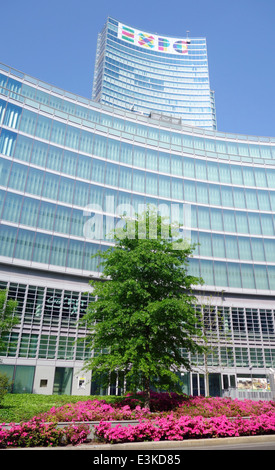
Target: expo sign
152,41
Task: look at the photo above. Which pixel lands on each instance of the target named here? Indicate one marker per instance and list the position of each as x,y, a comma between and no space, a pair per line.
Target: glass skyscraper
69,166
146,73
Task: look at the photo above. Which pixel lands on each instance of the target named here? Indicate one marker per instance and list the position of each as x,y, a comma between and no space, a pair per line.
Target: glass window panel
269,250
28,122
189,167
239,199
75,254
18,177
260,177
39,154
264,202
205,244
176,165
59,251
24,244
243,149
202,193
29,211
245,248
254,223
225,175
216,219
248,176
164,186
234,275
190,191
12,208
201,169
203,217
236,174
207,272
177,189
220,274
257,249
218,246
23,148
227,196
126,153
232,148
270,178
125,177
251,199
241,222
100,146
84,167
72,137
86,142
77,222
58,133
43,127
46,215
261,277
229,221
267,224
69,163
98,171
81,194
151,183
12,116
212,171
151,160
41,248
214,194
50,187
231,245
7,239
111,176
221,146
139,157
54,158
62,219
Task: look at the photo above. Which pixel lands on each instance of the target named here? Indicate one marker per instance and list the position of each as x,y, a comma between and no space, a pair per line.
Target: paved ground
227,443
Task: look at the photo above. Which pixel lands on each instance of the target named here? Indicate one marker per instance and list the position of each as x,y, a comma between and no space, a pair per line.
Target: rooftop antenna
187,36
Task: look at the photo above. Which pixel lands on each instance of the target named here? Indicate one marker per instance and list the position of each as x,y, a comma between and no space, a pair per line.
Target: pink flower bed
186,427
172,417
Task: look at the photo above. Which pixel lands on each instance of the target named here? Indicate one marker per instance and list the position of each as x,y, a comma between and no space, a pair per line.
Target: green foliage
5,386
8,319
144,309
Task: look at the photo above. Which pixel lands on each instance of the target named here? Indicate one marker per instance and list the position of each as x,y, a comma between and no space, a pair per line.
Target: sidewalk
159,445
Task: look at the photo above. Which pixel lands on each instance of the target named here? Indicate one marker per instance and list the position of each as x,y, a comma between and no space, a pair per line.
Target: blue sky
55,41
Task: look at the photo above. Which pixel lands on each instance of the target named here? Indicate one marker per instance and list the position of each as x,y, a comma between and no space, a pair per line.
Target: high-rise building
68,168
145,72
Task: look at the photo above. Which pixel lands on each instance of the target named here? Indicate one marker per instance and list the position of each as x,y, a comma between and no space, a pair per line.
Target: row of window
200,144
76,254
60,218
57,187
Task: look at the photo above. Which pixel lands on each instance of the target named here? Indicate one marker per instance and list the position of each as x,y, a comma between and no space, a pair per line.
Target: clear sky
55,41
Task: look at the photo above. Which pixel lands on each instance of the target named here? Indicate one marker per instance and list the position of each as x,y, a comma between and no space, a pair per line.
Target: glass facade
69,167
146,73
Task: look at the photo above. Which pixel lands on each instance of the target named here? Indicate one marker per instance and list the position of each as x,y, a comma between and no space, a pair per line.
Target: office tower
147,73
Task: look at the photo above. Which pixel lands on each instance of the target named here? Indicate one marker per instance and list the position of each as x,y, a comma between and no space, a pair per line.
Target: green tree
143,314
8,319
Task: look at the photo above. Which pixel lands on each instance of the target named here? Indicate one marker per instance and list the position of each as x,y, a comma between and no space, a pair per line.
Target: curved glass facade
66,160
146,72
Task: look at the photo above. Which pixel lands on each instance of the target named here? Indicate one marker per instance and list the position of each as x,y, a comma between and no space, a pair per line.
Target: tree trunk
147,392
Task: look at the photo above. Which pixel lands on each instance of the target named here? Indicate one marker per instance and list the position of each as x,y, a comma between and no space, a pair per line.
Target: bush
5,385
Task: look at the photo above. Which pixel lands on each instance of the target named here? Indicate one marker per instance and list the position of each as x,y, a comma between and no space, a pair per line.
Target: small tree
8,319
144,312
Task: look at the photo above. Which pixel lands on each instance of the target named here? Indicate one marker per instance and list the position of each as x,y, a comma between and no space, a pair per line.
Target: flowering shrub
186,427
172,417
37,433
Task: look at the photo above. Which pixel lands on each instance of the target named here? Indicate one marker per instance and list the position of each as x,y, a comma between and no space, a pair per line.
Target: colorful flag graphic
146,41
128,34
